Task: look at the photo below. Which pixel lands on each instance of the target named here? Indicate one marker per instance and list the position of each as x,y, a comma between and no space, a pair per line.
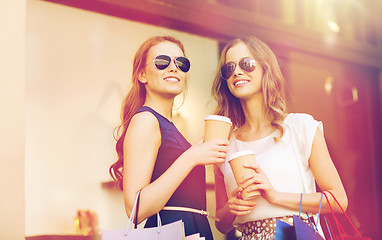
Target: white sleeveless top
285,163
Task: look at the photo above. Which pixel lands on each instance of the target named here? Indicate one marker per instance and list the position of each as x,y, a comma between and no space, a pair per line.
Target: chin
173,94
244,95
176,91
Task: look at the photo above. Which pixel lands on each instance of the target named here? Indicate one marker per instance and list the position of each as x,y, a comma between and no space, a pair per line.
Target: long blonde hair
135,99
272,86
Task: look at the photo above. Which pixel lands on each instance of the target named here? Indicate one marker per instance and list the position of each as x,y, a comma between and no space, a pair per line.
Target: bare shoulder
144,119
143,125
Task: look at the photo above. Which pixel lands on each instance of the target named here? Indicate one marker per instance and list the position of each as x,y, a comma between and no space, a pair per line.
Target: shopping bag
340,234
195,236
171,231
299,230
304,231
284,231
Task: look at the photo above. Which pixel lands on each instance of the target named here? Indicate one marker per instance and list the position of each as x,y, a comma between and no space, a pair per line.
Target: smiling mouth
240,82
172,79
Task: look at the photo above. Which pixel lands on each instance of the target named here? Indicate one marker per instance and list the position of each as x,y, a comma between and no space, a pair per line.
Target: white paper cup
216,127
237,161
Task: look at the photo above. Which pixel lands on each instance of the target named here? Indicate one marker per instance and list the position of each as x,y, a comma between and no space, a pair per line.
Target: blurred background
65,68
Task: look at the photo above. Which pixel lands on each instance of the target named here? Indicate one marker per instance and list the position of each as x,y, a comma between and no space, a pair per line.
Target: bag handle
330,230
134,215
345,214
335,219
318,214
339,227
136,212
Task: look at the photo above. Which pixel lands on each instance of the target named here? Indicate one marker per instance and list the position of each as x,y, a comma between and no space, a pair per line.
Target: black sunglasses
162,62
247,64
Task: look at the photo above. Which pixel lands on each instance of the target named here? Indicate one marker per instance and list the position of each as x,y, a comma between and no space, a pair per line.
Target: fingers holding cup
237,162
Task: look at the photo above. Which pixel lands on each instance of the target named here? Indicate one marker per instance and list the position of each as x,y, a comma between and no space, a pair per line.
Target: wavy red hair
134,100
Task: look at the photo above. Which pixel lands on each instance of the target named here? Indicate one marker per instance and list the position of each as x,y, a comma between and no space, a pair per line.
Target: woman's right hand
210,152
238,206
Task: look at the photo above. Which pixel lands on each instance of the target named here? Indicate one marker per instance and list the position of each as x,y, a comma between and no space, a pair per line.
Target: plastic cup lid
240,154
219,118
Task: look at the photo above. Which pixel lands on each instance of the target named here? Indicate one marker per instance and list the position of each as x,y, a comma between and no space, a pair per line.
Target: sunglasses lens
183,64
247,64
227,70
162,61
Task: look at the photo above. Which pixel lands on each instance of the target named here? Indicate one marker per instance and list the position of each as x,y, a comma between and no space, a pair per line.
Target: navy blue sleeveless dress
190,193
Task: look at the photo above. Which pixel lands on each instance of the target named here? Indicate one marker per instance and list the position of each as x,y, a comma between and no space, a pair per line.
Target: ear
142,77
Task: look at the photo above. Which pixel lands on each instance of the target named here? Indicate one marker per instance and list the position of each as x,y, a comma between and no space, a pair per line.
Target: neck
255,117
161,105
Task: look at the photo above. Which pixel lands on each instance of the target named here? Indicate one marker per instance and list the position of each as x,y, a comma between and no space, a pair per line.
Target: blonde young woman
291,153
153,156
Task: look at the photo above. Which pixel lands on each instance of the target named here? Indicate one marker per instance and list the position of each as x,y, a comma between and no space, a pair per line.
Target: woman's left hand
258,180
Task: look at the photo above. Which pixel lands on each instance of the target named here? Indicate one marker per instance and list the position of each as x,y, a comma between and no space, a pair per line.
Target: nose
172,67
237,71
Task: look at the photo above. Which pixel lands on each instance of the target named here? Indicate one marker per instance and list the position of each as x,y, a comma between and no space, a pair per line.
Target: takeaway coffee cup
216,127
237,161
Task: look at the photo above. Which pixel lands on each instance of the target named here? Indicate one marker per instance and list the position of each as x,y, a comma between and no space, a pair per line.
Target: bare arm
222,211
326,176
141,145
